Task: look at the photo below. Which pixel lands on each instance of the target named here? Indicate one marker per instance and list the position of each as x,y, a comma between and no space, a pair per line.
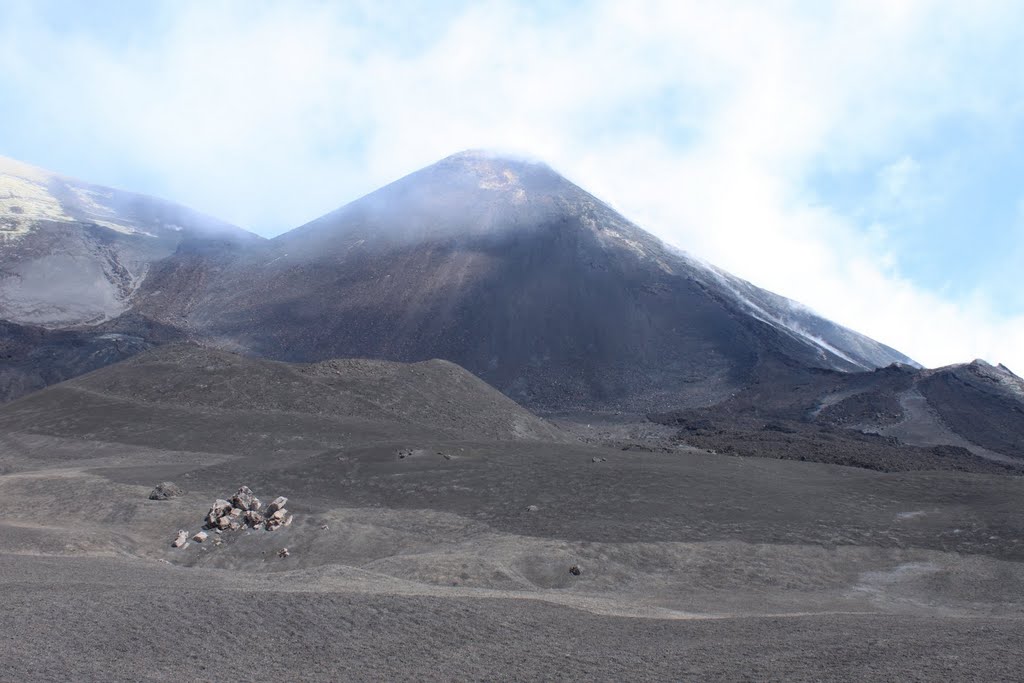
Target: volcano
513,272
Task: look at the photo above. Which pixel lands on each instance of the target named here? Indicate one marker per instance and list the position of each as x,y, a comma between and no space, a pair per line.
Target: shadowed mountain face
514,273
73,253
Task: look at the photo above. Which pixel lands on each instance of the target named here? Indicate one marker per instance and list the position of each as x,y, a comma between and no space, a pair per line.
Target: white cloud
704,122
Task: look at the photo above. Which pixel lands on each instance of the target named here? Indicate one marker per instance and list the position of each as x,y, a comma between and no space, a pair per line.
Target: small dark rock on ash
575,570
165,491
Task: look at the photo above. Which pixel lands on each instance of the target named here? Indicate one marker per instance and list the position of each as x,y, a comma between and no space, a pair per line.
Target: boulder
236,513
277,515
288,520
165,491
532,508
575,570
277,504
181,539
245,499
283,553
200,537
219,509
253,518
224,522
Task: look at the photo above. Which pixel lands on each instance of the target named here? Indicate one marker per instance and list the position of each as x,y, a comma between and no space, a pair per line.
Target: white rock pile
243,510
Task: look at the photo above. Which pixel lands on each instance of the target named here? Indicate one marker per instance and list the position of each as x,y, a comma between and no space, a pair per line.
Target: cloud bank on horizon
859,157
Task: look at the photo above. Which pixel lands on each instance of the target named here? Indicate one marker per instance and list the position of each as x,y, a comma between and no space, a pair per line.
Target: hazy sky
861,157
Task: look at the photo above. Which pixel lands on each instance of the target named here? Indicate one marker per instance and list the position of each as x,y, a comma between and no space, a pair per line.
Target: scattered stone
245,499
599,460
277,504
283,553
324,527
447,456
181,540
165,491
200,537
575,570
532,508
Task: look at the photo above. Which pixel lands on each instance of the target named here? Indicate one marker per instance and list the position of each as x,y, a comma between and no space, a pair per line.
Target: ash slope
75,253
511,271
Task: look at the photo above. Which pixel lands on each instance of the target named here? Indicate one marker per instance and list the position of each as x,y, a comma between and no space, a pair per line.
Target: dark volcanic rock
165,491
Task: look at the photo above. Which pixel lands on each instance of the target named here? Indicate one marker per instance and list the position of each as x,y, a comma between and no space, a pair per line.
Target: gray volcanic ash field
439,544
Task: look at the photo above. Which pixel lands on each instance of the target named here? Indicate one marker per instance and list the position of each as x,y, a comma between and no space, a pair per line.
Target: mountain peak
494,170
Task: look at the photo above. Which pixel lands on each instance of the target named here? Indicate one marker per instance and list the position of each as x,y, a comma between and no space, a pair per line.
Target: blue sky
860,157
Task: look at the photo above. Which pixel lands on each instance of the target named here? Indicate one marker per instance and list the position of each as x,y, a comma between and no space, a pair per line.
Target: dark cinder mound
174,382
33,357
513,272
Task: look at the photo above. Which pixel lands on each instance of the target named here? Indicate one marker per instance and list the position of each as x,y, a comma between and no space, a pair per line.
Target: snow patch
24,201
121,228
777,321
86,199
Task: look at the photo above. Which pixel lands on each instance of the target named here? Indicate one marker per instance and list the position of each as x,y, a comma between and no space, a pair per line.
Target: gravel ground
111,619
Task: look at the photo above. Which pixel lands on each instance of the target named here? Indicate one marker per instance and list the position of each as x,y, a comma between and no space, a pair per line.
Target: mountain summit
508,269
